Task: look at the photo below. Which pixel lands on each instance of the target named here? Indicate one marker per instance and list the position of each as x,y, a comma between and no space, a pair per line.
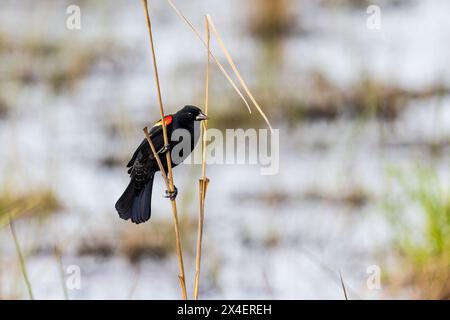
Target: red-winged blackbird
135,202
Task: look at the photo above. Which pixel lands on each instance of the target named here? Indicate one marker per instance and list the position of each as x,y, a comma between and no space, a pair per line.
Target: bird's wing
144,145
155,132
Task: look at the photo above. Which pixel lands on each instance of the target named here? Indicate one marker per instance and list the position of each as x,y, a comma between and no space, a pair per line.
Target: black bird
135,202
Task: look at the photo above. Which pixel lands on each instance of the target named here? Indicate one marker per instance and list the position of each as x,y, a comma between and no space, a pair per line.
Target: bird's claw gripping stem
164,149
171,194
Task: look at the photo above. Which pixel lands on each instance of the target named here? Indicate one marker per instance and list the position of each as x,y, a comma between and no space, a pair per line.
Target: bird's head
192,113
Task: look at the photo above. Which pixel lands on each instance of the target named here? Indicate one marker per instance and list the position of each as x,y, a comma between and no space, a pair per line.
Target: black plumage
135,202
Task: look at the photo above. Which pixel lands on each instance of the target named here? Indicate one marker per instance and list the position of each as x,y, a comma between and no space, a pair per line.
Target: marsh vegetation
364,119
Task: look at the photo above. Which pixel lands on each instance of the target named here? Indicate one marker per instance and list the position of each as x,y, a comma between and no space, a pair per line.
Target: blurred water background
364,120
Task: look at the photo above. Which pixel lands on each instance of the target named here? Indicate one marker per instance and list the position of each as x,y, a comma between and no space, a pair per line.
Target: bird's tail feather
136,204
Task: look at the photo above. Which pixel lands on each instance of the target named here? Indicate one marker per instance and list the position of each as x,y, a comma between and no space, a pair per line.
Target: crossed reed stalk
169,177
204,180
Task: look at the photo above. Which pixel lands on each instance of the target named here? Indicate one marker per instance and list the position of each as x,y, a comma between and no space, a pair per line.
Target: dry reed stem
158,160
23,267
181,275
230,61
176,224
203,185
203,181
236,71
221,67
205,122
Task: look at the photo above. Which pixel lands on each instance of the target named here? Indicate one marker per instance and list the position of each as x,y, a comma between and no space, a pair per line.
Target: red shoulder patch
167,121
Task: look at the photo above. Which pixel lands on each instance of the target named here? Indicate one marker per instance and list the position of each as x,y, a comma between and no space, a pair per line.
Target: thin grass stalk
203,181
62,275
181,275
22,264
343,286
134,285
330,271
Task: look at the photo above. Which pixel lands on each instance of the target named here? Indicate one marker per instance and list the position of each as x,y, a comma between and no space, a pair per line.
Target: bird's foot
171,194
164,149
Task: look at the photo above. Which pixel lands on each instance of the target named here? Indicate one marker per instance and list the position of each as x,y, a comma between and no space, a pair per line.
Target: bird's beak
201,117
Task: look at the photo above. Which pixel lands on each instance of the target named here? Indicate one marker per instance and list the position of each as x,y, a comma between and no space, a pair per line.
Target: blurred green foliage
423,240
